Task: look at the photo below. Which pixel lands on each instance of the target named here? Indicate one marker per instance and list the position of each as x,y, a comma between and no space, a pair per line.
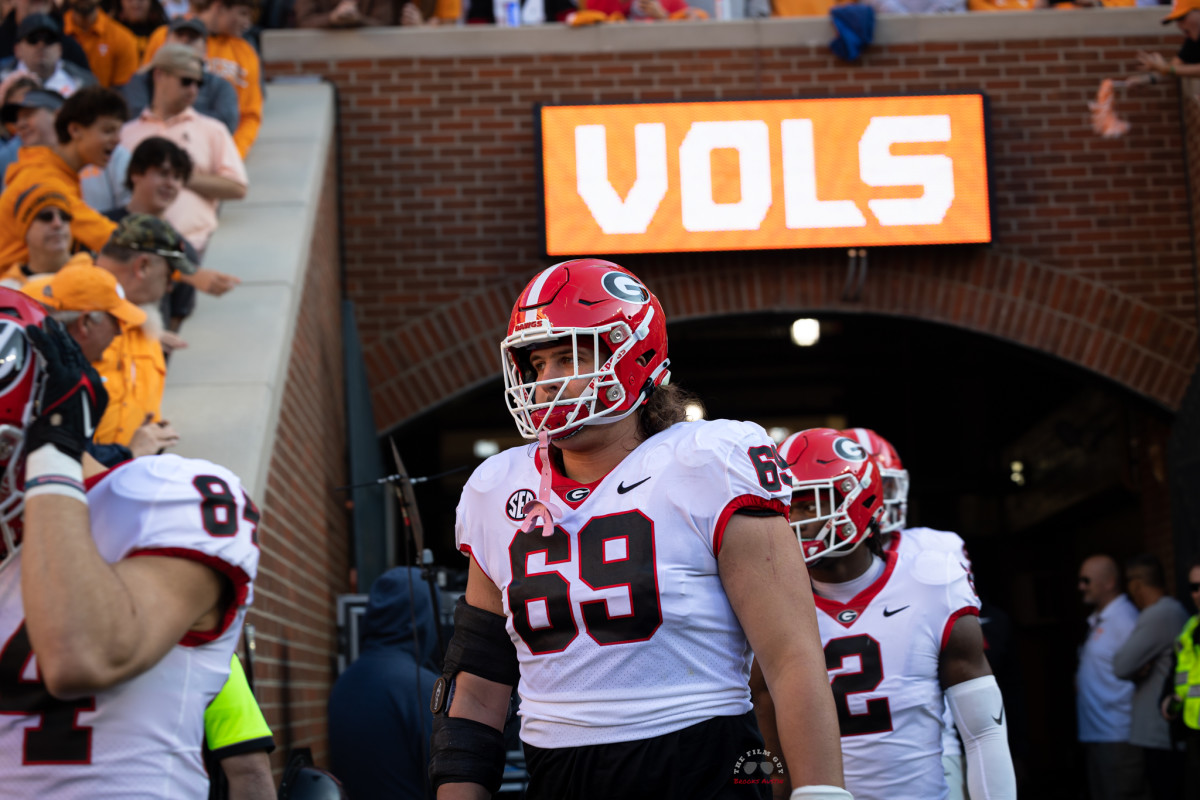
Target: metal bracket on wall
856,274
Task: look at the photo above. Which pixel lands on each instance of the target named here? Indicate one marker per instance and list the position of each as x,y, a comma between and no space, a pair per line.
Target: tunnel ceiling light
806,332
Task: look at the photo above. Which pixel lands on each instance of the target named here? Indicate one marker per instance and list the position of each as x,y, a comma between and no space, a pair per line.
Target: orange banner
764,174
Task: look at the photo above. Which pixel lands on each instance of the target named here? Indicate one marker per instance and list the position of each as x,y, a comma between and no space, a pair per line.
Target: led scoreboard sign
764,174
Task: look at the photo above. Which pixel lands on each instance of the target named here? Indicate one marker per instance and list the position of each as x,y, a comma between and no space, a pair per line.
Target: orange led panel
764,174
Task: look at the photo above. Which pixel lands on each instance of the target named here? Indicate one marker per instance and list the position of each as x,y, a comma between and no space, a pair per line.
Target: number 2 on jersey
878,716
58,739
617,550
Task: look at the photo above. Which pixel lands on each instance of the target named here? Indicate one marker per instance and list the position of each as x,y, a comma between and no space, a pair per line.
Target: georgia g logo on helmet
849,449
624,287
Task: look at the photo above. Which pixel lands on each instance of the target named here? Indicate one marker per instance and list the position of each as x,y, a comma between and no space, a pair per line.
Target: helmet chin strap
542,508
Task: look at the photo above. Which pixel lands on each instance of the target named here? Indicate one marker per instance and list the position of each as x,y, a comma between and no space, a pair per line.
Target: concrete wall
260,390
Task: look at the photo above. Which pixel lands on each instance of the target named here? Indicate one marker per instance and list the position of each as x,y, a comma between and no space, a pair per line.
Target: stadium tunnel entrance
1036,462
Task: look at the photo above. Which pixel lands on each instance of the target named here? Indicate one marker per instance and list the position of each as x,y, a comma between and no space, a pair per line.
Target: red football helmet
841,479
895,477
20,380
584,303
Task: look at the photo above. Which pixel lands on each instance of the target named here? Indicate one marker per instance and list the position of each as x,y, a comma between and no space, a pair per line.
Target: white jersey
882,649
909,542
141,739
621,625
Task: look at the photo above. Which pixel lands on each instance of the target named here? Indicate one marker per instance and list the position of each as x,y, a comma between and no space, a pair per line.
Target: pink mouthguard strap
542,507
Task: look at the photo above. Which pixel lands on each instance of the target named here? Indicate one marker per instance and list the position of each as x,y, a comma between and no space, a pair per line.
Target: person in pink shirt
218,172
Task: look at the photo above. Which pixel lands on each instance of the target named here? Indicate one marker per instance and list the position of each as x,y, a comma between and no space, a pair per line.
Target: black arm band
481,646
465,751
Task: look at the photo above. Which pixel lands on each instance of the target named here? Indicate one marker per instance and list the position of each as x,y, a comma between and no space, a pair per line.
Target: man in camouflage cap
145,233
144,253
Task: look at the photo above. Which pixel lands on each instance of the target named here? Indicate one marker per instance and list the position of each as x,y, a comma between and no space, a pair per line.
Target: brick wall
304,532
1092,261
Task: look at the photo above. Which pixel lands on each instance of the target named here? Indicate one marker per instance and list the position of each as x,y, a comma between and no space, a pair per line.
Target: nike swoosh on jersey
622,488
1000,719
887,613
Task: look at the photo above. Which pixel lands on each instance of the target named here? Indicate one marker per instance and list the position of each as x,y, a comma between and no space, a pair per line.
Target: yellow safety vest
1187,674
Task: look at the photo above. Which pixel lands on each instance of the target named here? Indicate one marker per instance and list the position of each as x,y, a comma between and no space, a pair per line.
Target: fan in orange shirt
88,127
110,47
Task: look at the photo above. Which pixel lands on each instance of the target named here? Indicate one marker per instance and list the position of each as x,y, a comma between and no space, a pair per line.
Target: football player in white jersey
895,536
621,569
122,593
899,631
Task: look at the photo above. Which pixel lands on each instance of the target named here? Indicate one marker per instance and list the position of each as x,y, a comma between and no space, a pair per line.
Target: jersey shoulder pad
167,478
936,568
930,539
719,434
496,469
182,507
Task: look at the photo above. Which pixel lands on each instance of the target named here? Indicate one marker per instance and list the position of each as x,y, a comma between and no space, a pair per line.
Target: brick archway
1058,312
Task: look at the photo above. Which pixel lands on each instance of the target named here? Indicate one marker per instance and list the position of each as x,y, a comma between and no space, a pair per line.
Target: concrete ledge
485,40
224,391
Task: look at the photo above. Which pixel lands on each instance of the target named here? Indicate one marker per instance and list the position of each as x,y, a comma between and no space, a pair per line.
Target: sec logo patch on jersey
515,507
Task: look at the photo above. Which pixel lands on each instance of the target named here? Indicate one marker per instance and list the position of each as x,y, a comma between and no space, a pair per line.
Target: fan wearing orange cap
1186,63
91,305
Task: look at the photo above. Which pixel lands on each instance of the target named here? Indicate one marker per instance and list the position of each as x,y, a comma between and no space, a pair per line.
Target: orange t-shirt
235,60
111,48
134,373
801,8
40,170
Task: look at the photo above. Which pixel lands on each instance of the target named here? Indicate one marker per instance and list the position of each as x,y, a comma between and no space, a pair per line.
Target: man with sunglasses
38,50
1145,659
218,172
1104,702
87,131
49,240
217,97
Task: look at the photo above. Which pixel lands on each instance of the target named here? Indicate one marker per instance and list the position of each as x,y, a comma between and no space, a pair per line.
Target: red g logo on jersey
515,507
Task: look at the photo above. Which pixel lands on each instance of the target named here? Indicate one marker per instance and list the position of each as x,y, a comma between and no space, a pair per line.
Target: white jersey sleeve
141,739
620,621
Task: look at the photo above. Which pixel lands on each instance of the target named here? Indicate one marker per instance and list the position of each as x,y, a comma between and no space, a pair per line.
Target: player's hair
666,406
1147,568
156,151
85,107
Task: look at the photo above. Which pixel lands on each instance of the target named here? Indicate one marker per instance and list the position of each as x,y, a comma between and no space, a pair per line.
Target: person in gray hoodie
379,717
1145,659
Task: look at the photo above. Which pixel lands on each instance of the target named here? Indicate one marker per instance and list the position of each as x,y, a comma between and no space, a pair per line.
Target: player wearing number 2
900,631
121,598
622,569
